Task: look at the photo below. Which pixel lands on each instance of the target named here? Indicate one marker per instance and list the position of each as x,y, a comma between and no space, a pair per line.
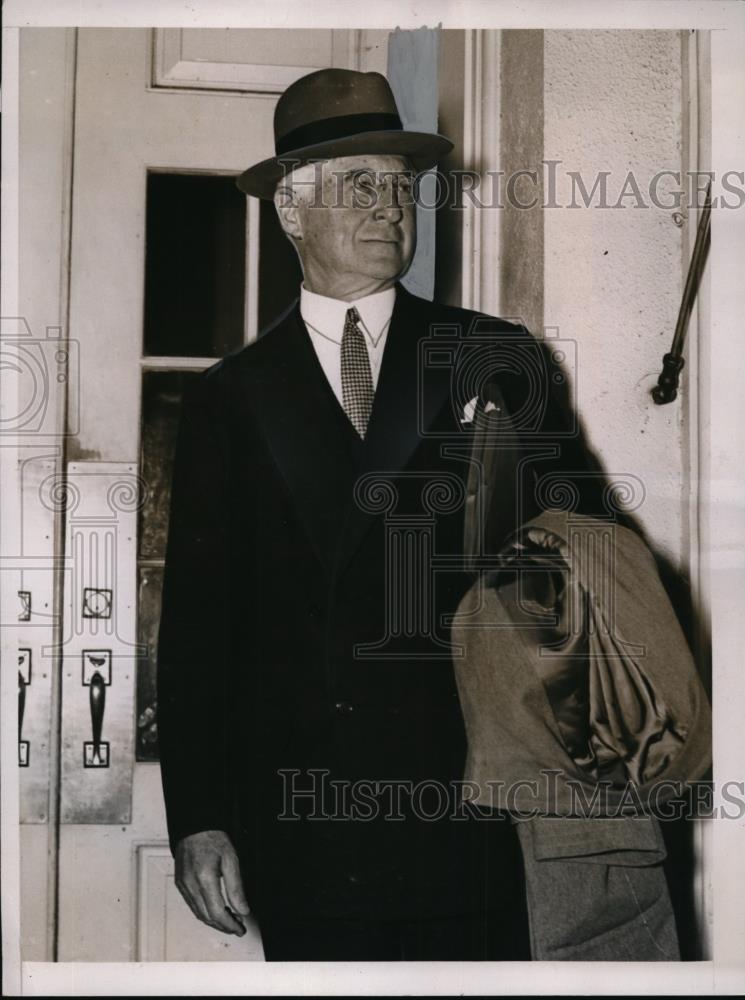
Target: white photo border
725,509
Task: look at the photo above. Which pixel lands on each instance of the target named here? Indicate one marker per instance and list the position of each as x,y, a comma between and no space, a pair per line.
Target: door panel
165,932
34,584
98,666
247,59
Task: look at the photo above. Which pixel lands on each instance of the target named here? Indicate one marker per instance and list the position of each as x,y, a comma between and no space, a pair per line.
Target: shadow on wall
692,620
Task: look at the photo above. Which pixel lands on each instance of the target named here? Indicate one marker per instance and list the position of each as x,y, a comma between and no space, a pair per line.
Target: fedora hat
338,112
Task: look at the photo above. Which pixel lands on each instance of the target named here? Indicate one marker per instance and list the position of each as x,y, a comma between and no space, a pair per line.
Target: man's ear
288,211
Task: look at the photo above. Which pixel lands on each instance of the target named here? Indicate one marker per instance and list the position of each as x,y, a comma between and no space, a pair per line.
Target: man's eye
405,191
362,180
363,191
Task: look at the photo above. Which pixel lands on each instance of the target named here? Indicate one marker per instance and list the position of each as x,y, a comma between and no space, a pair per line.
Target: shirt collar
327,315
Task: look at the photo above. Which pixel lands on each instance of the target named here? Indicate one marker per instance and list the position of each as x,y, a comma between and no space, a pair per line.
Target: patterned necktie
356,376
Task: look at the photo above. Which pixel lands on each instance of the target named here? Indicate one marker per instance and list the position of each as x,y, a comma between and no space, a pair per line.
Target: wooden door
163,121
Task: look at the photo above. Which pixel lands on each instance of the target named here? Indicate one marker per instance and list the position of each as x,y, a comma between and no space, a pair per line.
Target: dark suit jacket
283,572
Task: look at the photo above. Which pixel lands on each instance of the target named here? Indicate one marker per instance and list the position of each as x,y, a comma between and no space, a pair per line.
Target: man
309,717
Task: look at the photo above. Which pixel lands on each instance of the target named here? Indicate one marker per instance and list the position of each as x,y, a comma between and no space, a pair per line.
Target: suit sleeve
193,675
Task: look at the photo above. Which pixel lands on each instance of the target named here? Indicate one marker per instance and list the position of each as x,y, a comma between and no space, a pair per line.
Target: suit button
315,611
344,707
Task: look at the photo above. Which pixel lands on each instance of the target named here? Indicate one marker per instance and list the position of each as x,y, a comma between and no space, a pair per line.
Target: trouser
486,936
612,905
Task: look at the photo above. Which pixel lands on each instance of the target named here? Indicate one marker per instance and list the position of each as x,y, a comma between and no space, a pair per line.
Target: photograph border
722,498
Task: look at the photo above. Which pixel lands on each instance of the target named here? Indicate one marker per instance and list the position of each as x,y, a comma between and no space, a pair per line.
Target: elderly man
309,717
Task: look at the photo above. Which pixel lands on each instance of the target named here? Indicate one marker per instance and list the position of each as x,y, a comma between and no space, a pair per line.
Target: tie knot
352,315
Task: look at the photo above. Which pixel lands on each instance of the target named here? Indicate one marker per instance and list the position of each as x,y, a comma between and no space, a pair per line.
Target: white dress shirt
325,317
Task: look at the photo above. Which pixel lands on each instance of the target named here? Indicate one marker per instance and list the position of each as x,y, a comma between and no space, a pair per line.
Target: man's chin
379,250
390,270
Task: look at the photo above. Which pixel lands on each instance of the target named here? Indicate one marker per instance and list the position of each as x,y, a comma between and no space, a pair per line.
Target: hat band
328,129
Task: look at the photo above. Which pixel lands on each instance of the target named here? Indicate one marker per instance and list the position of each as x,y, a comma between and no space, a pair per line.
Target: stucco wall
613,276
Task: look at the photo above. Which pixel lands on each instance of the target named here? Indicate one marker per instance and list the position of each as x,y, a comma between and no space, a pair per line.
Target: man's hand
201,859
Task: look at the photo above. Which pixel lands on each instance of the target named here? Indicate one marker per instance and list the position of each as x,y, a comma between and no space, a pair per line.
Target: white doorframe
481,117
47,60
696,61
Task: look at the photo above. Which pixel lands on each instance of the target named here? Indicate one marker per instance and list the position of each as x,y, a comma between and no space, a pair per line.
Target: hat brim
424,149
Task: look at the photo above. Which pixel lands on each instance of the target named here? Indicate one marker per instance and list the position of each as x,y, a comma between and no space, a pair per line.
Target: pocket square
469,410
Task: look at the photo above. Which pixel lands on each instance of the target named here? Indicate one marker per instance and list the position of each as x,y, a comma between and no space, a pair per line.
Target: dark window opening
195,271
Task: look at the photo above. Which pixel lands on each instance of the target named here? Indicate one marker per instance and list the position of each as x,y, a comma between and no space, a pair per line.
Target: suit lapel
312,442
407,400
287,391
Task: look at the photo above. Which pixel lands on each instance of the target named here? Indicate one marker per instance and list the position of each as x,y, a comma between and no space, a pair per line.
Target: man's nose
387,211
388,203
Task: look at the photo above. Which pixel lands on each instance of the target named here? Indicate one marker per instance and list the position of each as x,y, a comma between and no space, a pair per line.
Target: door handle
22,744
21,701
98,706
24,679
96,751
